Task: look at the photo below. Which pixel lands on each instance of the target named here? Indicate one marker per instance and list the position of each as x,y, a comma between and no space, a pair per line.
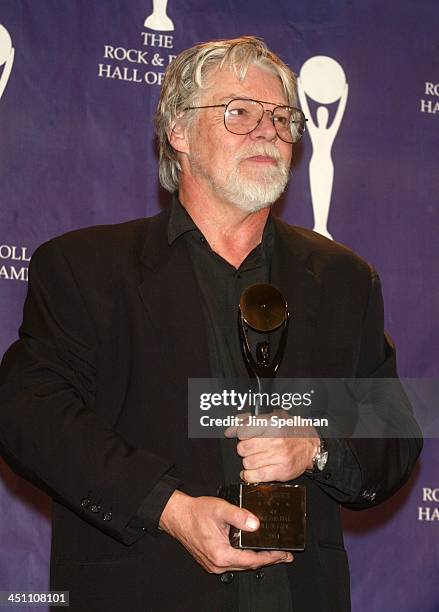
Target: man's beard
248,193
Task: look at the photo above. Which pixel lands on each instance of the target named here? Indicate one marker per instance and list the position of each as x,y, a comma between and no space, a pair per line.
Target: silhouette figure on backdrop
323,80
6,57
159,20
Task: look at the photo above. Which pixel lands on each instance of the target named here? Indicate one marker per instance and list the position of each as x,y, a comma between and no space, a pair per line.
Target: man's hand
273,454
202,525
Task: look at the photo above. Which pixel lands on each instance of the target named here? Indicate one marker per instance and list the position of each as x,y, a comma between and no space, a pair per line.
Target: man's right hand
202,525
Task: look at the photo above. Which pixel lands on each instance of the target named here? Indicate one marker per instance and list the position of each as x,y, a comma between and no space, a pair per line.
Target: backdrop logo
159,20
13,260
323,80
431,104
429,512
146,65
6,57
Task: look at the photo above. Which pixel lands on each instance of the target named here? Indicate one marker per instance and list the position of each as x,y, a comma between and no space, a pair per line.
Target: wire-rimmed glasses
243,115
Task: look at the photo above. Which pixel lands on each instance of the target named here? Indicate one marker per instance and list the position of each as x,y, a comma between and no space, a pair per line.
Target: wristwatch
320,459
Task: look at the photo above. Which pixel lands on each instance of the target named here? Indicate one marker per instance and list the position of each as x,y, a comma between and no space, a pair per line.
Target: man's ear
177,135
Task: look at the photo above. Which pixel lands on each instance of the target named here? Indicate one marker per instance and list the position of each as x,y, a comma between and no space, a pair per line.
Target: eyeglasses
243,115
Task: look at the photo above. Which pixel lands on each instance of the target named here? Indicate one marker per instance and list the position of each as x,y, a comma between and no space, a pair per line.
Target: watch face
321,461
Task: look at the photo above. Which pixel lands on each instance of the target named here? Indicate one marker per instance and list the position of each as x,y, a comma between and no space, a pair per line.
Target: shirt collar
180,222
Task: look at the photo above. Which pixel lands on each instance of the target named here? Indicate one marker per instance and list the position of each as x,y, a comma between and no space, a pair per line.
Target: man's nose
265,128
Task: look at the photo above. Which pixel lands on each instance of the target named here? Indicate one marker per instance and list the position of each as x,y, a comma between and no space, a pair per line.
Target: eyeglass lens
243,116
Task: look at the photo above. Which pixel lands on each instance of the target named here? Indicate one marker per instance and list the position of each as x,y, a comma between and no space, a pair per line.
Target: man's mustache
264,150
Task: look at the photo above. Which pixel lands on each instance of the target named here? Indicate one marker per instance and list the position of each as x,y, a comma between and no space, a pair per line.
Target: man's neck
230,231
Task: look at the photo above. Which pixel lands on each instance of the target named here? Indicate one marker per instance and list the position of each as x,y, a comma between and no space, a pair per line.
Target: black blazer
93,408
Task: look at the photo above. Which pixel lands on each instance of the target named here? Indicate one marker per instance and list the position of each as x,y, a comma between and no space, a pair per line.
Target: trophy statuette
280,507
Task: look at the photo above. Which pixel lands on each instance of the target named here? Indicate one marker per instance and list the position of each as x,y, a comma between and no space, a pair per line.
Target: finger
249,559
231,432
248,447
259,460
245,432
264,474
248,427
245,448
226,558
238,517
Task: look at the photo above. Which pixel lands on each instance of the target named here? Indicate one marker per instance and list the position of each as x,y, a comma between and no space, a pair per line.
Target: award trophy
281,508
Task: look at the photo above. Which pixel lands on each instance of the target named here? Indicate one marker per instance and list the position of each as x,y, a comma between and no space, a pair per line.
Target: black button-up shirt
221,286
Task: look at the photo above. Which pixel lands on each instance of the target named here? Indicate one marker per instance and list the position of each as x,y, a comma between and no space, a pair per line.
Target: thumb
240,518
232,431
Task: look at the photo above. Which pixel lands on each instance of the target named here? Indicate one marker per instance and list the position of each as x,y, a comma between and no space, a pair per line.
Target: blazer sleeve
49,432
386,462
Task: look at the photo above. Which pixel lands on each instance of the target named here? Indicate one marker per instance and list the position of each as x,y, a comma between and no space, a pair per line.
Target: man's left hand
272,454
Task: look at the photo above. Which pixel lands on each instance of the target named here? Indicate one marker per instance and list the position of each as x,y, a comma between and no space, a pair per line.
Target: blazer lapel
292,274
171,298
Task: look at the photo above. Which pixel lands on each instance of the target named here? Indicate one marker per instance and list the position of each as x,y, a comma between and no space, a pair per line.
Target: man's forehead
224,84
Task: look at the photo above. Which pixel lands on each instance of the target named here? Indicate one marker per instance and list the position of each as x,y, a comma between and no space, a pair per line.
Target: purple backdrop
76,102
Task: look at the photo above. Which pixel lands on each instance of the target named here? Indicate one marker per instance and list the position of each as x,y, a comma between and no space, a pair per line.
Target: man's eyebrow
233,96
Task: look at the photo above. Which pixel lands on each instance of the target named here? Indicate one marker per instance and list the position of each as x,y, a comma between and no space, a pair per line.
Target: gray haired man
117,318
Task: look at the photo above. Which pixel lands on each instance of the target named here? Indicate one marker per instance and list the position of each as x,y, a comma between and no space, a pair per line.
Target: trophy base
281,510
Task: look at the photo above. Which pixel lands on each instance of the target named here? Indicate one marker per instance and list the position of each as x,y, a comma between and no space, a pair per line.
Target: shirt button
108,516
260,574
328,476
95,508
85,502
227,577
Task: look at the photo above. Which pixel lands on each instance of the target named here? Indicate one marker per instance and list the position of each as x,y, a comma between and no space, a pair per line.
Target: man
117,318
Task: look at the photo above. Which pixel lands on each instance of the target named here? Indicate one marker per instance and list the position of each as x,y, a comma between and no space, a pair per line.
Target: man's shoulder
320,253
101,242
